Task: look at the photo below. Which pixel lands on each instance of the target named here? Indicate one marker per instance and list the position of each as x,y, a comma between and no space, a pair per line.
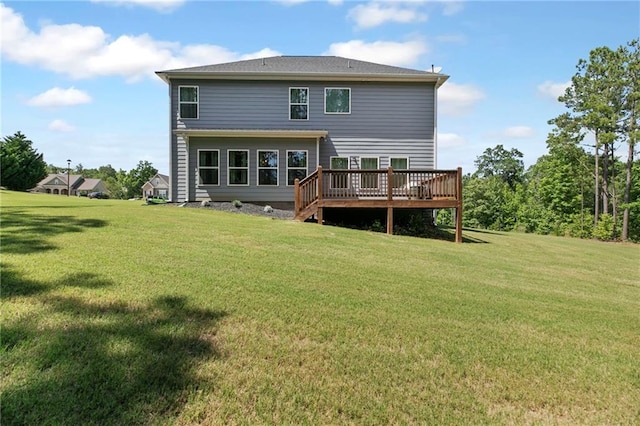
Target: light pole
68,178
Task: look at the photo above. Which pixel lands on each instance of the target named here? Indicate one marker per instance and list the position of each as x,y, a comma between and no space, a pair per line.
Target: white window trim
258,168
404,182
348,168
306,169
208,167
376,168
400,158
237,168
325,100
307,104
180,102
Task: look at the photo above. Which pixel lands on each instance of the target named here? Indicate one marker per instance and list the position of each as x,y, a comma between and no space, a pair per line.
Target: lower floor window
296,166
369,180
238,169
339,180
397,164
268,168
208,167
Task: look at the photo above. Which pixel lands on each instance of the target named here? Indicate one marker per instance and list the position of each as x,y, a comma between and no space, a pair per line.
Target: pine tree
21,167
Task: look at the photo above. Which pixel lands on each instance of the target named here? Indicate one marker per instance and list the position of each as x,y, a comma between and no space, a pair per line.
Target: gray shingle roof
89,184
301,66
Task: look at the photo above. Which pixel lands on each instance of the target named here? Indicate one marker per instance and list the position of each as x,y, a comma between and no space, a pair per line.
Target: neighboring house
246,130
57,183
157,186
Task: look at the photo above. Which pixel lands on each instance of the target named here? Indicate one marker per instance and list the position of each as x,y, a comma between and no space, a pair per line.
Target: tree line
22,167
579,189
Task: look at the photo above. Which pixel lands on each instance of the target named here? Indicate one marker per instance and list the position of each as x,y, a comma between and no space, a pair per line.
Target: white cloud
87,51
60,97
448,140
60,126
458,99
549,89
451,7
400,54
377,13
164,6
518,132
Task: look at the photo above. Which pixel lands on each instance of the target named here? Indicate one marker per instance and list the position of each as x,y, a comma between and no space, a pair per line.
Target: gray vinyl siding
419,152
178,191
253,192
386,120
382,110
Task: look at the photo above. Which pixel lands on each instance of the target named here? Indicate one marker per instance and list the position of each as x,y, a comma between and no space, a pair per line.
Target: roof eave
438,79
252,133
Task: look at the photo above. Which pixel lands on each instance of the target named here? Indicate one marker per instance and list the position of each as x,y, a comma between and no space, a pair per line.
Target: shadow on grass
24,232
13,285
82,361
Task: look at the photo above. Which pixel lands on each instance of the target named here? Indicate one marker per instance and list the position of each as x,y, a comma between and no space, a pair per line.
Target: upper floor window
337,100
188,101
238,169
208,167
268,168
296,166
298,103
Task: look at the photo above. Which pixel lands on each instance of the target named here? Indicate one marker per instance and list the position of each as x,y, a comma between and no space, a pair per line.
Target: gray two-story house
246,130
317,131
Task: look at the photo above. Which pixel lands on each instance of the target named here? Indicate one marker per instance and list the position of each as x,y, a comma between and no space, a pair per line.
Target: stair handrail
307,190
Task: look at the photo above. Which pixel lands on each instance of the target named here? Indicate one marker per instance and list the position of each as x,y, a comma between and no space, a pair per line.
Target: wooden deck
390,189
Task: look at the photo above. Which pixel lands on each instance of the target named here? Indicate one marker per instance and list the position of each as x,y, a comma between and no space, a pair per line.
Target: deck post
319,195
459,208
390,198
296,195
319,186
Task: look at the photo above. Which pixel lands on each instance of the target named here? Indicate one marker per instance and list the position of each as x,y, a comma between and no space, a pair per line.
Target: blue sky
77,77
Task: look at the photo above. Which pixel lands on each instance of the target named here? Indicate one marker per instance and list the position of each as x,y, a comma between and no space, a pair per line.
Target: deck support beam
459,207
390,220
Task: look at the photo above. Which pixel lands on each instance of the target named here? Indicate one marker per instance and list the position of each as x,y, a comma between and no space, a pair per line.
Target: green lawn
118,313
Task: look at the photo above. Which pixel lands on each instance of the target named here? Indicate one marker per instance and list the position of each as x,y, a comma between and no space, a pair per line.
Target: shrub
604,228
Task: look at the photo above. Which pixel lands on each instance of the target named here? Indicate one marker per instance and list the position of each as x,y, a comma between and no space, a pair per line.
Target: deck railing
378,184
306,192
390,184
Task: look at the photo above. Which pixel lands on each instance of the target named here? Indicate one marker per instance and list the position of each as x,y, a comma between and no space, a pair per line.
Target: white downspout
187,168
435,124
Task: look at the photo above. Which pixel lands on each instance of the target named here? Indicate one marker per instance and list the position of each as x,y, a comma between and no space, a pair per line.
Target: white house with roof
57,183
157,186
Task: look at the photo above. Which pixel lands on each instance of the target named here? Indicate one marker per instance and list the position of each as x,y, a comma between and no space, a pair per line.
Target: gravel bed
247,208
